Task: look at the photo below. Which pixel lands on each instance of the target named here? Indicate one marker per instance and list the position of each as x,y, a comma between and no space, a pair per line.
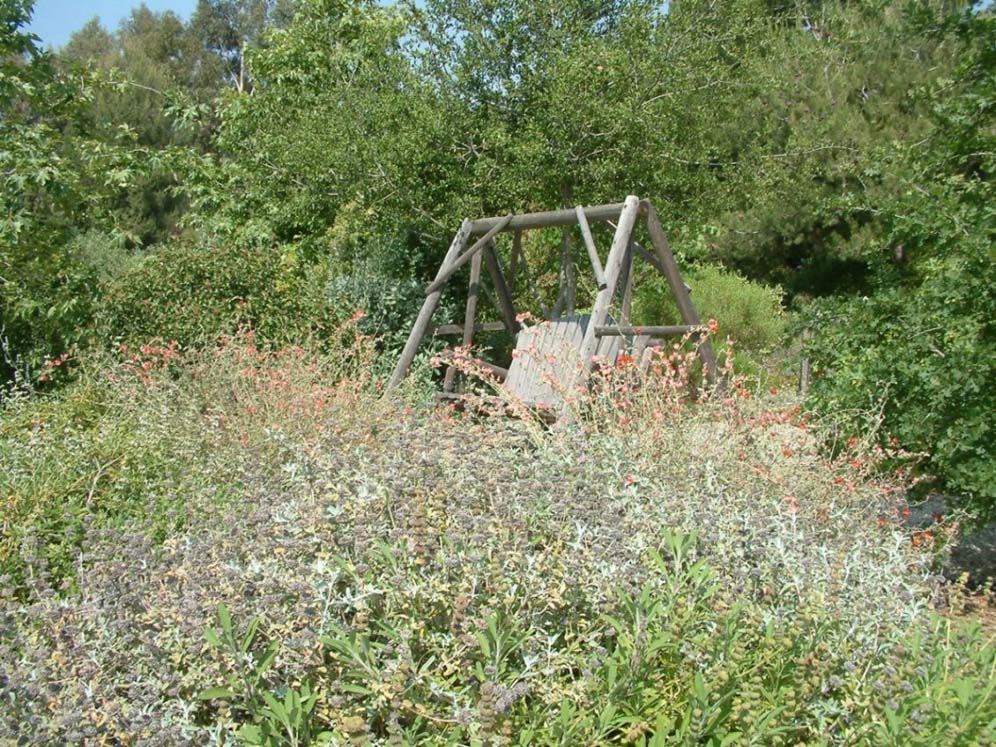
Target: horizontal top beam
526,221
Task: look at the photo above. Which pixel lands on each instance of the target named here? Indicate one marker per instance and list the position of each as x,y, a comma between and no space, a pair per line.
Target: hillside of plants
219,527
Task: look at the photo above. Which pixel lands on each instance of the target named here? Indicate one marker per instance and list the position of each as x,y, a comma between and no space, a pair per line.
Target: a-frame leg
428,309
513,263
613,267
626,283
685,306
501,288
469,316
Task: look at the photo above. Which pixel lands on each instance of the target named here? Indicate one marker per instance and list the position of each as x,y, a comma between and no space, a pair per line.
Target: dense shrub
925,359
188,293
398,576
389,305
748,312
136,434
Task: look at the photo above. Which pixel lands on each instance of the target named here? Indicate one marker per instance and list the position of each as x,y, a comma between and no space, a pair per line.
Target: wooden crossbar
589,244
447,272
549,219
629,331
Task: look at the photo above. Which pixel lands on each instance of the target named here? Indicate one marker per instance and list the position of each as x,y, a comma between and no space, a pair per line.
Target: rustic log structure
566,346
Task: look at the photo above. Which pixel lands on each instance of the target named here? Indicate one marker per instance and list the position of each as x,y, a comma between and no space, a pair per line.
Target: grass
259,547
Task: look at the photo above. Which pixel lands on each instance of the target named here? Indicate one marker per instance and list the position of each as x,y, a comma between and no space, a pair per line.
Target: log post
806,368
613,265
513,263
501,288
589,244
626,304
427,310
620,330
551,219
469,317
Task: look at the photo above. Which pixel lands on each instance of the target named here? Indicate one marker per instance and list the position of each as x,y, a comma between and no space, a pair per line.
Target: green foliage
919,349
190,293
389,306
274,720
227,27
922,358
69,467
322,131
103,453
55,184
141,73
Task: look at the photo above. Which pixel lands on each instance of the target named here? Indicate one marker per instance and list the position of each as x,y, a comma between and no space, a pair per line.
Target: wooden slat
620,330
589,245
427,310
547,360
685,306
501,288
547,219
447,272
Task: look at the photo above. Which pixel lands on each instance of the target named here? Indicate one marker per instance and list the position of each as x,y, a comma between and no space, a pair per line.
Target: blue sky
56,20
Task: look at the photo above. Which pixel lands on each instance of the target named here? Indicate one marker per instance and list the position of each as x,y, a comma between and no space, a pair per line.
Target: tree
150,66
227,27
56,183
921,348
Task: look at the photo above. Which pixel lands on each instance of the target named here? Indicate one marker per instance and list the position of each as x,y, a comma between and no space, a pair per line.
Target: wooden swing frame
616,273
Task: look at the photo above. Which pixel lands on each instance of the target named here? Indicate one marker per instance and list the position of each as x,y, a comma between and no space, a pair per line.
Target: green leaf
357,689
247,639
251,734
225,618
266,660
964,689
217,693
698,686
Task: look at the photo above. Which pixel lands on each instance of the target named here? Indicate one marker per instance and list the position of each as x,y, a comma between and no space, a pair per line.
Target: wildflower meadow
254,546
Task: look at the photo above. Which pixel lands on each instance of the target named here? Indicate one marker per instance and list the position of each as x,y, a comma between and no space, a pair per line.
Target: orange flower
713,326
